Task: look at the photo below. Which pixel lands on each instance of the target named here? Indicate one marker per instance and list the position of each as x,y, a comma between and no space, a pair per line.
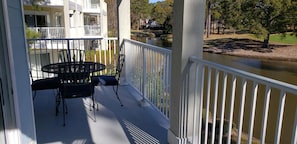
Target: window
58,20
35,20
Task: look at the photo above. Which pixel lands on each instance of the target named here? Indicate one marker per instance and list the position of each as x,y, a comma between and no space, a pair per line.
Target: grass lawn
285,39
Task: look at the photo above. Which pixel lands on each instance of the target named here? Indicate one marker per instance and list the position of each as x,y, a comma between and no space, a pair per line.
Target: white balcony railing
92,30
45,51
225,105
46,2
148,70
49,32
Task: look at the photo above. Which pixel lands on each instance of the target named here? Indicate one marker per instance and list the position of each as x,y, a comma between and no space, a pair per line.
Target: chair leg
116,92
58,101
94,107
34,95
64,111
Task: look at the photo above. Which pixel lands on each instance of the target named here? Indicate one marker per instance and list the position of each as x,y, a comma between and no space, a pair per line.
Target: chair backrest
71,55
75,80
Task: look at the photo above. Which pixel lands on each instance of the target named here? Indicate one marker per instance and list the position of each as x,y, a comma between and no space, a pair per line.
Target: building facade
67,18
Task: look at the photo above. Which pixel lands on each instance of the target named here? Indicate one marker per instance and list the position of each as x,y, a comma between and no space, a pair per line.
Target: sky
153,1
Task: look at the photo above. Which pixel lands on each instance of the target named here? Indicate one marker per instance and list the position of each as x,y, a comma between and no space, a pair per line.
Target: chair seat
105,80
76,90
46,83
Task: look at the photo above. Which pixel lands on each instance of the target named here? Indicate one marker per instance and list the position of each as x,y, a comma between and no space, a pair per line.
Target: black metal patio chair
75,82
71,55
43,84
113,79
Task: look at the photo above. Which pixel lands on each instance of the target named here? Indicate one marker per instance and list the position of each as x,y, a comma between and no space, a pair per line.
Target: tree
265,17
230,14
112,17
140,9
292,17
162,11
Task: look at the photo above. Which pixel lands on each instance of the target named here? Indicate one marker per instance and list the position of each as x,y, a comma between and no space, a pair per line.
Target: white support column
104,24
124,25
66,18
187,41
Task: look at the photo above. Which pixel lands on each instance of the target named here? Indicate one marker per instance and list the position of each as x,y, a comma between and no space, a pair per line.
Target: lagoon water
280,70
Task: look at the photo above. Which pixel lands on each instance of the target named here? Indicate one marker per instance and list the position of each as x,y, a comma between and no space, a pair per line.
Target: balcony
49,32
137,122
91,6
46,2
217,103
208,103
92,30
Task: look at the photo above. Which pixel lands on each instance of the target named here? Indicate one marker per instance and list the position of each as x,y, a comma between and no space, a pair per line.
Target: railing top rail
156,48
91,38
260,79
111,38
45,27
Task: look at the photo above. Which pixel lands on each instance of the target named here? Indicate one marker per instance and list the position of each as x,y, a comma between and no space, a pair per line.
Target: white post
123,26
66,18
144,84
187,41
123,20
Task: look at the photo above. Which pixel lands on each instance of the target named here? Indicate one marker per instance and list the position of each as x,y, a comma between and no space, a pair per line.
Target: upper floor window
35,20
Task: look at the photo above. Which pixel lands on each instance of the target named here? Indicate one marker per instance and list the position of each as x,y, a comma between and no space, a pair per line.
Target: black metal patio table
73,67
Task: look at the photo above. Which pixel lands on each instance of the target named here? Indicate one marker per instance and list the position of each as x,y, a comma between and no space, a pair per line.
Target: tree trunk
218,27
266,41
208,20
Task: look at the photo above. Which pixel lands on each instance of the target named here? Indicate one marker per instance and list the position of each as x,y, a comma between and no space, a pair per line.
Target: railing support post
144,82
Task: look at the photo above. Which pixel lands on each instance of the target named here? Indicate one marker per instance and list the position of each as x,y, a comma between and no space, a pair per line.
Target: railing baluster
167,74
265,114
222,119
241,111
207,106
216,90
230,128
280,115
252,113
294,133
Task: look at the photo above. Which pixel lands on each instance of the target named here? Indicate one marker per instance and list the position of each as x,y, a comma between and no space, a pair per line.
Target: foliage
230,13
265,17
112,17
140,9
31,34
262,18
162,11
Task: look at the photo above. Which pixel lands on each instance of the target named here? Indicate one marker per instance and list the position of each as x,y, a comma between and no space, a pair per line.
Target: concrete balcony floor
114,124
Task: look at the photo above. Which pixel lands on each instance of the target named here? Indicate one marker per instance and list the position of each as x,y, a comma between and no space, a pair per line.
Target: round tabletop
73,66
